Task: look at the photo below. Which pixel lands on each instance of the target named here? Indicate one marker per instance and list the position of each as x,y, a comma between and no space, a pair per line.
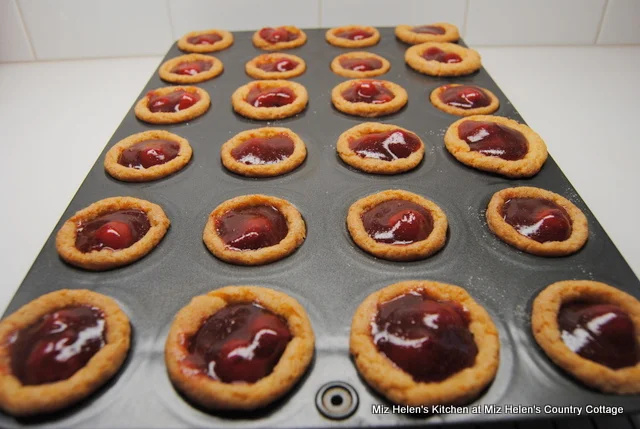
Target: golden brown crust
407,252
544,324
372,165
486,110
215,394
263,170
227,40
240,105
155,172
294,238
508,234
165,70
398,386
337,68
20,400
104,259
199,108
252,67
369,110
528,166
260,43
346,43
404,33
470,60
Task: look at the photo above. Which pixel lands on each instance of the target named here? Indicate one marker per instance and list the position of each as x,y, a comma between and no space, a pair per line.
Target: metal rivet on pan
337,400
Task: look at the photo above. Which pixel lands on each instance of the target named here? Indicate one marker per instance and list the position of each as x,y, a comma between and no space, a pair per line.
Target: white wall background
67,29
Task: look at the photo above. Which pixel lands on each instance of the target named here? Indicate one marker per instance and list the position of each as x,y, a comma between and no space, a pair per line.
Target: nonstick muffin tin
329,275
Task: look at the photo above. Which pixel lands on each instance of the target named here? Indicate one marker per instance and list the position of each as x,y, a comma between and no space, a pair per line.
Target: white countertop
55,122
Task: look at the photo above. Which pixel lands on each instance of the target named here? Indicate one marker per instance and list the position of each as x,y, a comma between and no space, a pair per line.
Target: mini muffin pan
329,275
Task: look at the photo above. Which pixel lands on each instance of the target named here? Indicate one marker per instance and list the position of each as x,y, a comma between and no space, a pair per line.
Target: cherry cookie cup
279,38
397,225
496,144
592,331
58,349
537,221
192,68
275,66
380,148
360,65
353,36
205,41
264,152
173,104
368,98
442,59
423,343
438,32
239,347
147,156
464,100
111,232
254,230
269,99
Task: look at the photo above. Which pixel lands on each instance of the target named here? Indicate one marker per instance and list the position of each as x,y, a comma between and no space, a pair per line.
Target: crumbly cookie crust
368,110
240,105
337,68
256,72
166,74
409,252
372,165
334,40
20,400
294,238
544,324
198,109
227,40
470,60
214,394
260,43
486,110
528,166
104,259
404,33
398,386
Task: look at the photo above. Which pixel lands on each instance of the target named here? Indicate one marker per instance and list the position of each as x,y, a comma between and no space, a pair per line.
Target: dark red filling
367,91
281,65
270,97
115,230
602,333
428,339
251,228
398,222
386,146
57,345
465,96
493,139
437,54
192,68
239,343
205,39
355,34
173,102
148,153
276,35
361,64
264,150
539,219
428,29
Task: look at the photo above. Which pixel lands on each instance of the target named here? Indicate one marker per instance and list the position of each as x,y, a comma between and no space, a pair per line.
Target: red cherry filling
281,65
367,91
361,64
192,68
276,35
602,333
114,231
428,339
493,139
428,29
536,218
264,150
57,345
437,54
270,97
205,39
398,222
355,34
239,343
465,96
386,146
148,153
173,102
251,228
